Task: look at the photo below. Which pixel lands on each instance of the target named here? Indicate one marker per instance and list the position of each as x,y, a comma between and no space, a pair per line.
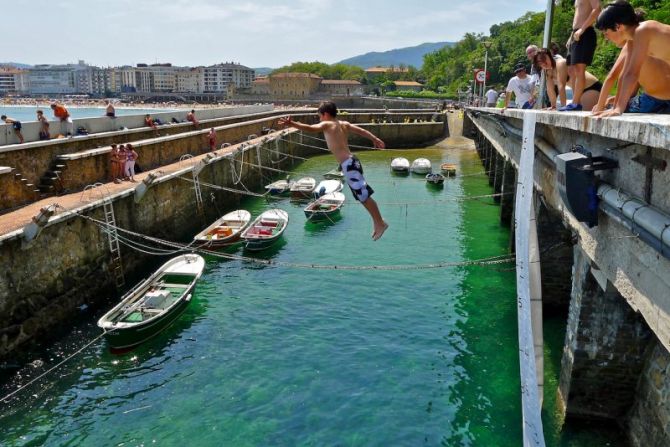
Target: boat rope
493,260
53,368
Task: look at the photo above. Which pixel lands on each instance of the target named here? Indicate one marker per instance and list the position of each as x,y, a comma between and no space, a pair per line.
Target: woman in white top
556,75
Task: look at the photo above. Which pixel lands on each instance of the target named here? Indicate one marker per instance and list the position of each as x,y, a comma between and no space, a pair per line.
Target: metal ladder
198,193
113,238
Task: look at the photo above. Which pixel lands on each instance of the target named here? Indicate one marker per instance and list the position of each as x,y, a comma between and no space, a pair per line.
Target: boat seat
159,299
268,223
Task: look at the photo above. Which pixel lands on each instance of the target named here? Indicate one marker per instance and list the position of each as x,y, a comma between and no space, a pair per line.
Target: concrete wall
31,129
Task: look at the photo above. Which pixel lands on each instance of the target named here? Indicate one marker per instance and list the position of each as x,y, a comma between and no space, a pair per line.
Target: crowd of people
122,159
643,64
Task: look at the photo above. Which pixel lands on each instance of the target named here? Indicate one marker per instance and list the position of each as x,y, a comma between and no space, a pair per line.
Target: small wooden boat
280,187
325,206
335,174
326,187
224,231
303,188
153,304
421,166
400,165
265,230
435,179
448,169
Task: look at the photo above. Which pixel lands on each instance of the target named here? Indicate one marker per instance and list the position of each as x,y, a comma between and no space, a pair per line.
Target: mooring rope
53,368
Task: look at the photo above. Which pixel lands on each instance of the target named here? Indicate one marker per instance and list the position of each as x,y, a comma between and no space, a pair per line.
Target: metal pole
546,40
486,60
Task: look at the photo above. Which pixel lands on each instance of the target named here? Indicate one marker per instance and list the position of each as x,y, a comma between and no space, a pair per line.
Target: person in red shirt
190,116
63,115
212,139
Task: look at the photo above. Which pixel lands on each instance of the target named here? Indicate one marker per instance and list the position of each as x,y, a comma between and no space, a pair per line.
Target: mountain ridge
406,55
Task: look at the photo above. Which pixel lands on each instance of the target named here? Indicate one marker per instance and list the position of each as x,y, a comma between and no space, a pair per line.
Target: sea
28,113
276,355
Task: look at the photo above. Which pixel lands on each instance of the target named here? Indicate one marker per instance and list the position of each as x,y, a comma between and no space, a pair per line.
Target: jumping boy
337,133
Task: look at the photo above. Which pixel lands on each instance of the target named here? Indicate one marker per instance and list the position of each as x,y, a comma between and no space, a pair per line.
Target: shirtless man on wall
644,62
581,47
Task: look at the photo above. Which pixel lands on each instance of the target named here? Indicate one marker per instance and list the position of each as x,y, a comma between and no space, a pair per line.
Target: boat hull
127,338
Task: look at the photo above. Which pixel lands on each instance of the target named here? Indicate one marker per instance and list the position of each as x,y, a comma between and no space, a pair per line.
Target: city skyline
255,34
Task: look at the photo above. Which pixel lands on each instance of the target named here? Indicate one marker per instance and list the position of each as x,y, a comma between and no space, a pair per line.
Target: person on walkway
644,61
491,97
336,133
122,157
523,88
211,136
556,78
44,125
150,122
114,164
131,156
190,116
109,110
581,48
63,115
16,125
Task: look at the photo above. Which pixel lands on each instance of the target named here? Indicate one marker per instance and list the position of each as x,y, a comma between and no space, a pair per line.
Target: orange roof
295,75
408,84
385,69
261,81
340,82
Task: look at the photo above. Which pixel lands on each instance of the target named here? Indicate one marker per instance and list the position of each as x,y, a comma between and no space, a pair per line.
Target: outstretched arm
379,144
286,121
629,80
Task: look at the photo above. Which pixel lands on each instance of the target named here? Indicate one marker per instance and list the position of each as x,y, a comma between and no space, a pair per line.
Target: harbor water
281,356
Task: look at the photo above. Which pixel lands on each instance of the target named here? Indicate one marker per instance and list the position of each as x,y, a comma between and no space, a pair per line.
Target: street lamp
487,44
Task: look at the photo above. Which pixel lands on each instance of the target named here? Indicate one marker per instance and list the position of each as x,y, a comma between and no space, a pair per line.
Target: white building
190,80
60,79
13,80
218,77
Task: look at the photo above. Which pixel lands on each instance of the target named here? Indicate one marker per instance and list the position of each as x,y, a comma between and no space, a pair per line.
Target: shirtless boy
581,48
336,133
16,125
644,61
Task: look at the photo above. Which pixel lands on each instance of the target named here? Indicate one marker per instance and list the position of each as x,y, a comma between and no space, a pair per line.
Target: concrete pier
615,283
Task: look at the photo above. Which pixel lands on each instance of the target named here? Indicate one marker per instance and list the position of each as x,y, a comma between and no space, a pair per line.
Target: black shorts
596,86
353,174
16,125
582,51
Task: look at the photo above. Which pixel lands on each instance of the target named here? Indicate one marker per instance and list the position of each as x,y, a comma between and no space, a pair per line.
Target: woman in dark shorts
556,74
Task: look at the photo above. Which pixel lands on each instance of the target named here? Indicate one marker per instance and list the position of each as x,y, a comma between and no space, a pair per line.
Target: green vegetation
451,68
422,94
335,71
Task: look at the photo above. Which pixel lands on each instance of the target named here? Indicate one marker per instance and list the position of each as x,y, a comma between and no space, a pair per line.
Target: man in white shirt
491,97
523,88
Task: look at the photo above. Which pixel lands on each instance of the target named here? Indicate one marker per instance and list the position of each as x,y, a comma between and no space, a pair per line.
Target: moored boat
303,188
224,231
400,165
325,206
326,187
435,179
280,187
265,230
335,174
448,169
153,304
421,166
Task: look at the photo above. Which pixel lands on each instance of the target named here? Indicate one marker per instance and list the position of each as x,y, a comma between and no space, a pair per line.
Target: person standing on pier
581,48
523,88
644,62
190,116
211,136
63,115
44,125
337,133
16,125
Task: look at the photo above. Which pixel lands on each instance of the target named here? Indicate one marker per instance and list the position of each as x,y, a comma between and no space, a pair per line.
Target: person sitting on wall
150,122
44,125
644,61
16,125
522,86
557,78
190,116
110,111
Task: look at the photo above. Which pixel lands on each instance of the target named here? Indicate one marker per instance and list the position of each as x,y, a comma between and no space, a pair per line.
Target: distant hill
263,71
14,64
408,56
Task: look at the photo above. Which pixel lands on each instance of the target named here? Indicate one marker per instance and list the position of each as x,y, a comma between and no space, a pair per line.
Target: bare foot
379,230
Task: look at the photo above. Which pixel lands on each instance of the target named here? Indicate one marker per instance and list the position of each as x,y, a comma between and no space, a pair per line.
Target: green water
274,356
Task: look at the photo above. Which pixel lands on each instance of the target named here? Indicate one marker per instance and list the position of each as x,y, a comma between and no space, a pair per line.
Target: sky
260,33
